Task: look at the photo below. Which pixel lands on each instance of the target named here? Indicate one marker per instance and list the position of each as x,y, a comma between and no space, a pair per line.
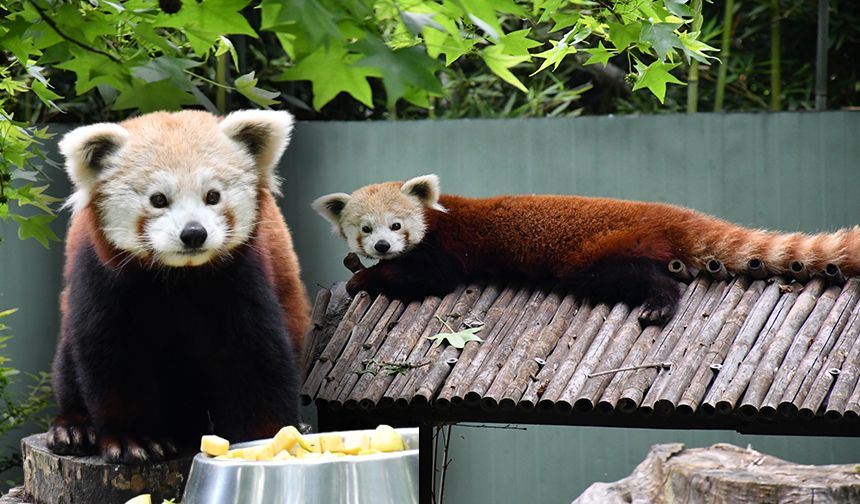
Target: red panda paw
359,282
135,450
654,312
72,435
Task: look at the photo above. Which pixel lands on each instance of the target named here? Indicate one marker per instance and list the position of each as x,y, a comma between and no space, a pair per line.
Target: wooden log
805,372
852,408
521,344
684,341
486,312
497,352
376,350
809,305
592,357
799,271
849,371
55,479
325,322
585,333
346,360
833,274
317,323
634,386
632,362
615,353
717,269
16,495
325,362
711,363
679,270
757,269
370,387
685,367
368,349
559,356
762,312
725,473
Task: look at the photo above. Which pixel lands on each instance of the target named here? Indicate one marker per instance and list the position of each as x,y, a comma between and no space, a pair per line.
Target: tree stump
55,479
726,474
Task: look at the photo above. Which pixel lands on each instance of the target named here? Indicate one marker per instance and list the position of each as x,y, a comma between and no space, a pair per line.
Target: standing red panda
182,312
609,250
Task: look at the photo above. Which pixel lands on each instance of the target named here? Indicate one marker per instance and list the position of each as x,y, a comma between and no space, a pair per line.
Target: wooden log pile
724,473
742,346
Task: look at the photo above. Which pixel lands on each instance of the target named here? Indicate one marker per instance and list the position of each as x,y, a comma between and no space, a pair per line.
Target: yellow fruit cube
331,443
386,439
286,438
300,452
214,445
311,444
141,499
282,455
354,442
263,452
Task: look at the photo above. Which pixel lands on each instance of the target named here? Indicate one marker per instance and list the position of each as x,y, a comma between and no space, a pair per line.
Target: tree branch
50,22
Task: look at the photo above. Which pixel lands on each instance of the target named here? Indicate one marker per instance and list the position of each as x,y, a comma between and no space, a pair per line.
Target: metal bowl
386,478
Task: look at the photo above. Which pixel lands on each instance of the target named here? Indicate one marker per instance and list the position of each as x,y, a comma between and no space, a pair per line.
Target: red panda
609,250
182,308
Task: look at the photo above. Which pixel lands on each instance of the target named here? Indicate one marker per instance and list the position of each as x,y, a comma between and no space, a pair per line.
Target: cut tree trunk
55,479
727,474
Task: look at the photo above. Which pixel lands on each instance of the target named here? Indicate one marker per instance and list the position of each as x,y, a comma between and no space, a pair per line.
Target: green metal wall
789,171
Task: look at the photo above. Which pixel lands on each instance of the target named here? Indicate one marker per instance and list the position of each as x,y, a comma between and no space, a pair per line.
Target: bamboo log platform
750,353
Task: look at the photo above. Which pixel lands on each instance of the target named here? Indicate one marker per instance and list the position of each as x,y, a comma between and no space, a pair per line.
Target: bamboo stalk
489,309
685,367
849,372
716,269
309,355
833,274
335,345
560,355
346,360
798,271
585,332
497,353
633,389
634,361
812,380
616,352
592,357
685,341
454,319
368,349
679,270
762,313
505,373
713,358
852,408
693,77
775,56
761,376
757,269
822,44
725,50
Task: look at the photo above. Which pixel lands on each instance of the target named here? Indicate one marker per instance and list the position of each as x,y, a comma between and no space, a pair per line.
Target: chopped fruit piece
141,499
286,438
214,445
300,452
263,452
354,442
282,455
312,444
369,452
386,439
331,442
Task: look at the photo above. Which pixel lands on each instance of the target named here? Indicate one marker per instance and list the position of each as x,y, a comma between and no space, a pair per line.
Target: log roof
767,355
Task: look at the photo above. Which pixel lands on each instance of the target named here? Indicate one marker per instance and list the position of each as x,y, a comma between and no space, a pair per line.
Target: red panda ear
331,207
264,134
86,150
425,188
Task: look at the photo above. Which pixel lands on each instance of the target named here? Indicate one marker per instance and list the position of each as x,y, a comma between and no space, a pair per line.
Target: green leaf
452,47
6,313
94,69
36,227
225,46
694,48
400,68
153,96
599,54
311,16
554,56
516,43
622,35
655,77
331,71
679,7
662,38
499,63
457,339
203,23
247,86
46,95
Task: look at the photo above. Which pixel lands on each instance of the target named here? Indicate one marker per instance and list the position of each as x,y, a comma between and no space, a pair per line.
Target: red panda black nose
382,246
193,235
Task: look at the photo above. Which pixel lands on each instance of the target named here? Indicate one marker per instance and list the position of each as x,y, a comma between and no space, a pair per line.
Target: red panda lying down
609,250
182,312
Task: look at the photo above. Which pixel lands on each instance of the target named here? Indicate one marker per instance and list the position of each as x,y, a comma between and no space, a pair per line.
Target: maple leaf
331,72
599,54
457,339
655,77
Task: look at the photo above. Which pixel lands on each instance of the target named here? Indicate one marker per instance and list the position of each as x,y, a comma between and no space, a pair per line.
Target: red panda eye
395,226
213,197
158,200
366,229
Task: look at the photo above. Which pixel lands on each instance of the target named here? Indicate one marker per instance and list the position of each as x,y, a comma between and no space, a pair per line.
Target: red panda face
382,221
177,189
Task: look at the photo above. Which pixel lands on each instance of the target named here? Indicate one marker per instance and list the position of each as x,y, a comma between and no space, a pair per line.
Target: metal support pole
821,45
426,471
